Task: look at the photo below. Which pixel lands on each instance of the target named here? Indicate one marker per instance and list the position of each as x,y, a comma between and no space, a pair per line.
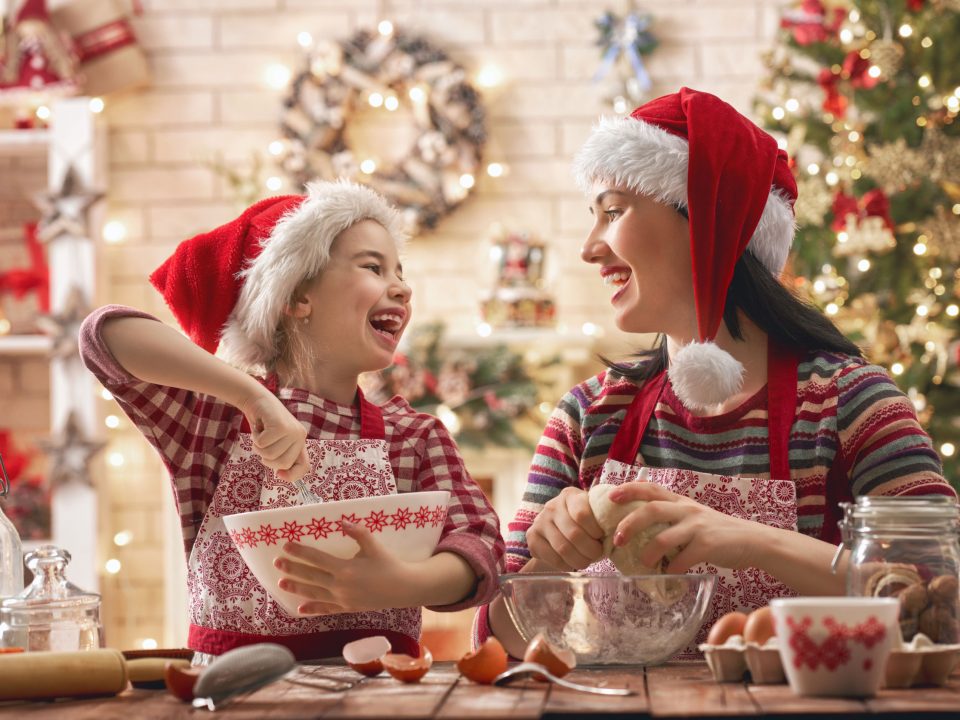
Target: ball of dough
609,514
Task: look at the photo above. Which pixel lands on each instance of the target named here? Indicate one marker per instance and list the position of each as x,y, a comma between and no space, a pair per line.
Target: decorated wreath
384,70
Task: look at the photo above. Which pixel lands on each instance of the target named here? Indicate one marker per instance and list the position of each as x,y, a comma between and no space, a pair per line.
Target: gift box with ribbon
109,55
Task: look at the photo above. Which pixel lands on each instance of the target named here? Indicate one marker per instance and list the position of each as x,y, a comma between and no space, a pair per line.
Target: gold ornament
888,56
895,165
814,200
941,156
943,233
947,5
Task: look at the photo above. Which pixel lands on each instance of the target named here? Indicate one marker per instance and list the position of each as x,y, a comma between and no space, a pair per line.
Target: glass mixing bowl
610,619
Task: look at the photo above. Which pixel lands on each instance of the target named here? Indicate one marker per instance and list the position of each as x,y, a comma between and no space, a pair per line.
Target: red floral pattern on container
321,527
834,651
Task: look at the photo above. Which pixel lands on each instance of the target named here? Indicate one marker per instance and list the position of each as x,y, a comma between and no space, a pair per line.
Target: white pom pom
704,376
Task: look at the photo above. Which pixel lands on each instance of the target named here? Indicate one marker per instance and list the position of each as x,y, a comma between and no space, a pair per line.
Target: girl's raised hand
278,437
565,535
697,533
373,579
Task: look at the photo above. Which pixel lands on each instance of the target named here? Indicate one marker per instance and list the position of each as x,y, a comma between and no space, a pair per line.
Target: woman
751,418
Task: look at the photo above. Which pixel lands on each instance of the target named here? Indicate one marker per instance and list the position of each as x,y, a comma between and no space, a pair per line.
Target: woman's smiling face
643,250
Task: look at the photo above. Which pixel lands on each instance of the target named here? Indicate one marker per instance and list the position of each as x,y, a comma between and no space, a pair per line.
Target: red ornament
834,101
811,23
874,203
35,278
857,69
36,60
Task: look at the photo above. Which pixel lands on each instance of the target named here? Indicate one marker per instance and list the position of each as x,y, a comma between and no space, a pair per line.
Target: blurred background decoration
865,96
28,502
624,39
484,396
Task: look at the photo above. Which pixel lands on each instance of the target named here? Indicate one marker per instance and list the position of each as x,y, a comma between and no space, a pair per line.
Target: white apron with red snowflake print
230,608
772,502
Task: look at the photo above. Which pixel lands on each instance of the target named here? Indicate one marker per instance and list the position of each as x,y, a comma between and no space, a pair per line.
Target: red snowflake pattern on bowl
321,527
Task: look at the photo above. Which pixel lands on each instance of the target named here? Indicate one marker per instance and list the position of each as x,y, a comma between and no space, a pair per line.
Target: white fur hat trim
653,162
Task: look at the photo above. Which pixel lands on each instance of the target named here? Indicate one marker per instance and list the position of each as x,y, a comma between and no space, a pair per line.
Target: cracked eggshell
366,654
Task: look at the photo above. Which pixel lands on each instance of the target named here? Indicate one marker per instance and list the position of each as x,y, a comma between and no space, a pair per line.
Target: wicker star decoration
65,211
64,326
70,454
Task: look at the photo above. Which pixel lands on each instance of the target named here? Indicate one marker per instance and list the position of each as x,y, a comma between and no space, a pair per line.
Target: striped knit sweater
854,433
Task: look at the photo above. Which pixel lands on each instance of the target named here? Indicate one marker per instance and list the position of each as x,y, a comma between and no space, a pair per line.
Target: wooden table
673,690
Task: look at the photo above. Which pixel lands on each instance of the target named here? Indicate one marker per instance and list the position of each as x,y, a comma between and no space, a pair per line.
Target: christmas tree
864,96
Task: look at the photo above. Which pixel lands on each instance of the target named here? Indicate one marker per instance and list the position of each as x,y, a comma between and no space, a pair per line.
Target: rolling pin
45,675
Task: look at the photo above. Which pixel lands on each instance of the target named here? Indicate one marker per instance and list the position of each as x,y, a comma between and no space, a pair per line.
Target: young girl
301,294
751,419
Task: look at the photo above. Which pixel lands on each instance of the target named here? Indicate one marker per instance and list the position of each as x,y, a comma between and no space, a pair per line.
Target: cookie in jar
907,548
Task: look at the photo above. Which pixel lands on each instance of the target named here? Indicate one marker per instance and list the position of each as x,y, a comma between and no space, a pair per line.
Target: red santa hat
230,287
692,150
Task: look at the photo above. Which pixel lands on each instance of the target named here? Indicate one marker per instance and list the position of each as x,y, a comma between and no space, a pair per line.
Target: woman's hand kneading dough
675,532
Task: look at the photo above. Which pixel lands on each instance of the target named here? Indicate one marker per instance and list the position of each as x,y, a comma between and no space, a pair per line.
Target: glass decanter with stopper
51,613
11,551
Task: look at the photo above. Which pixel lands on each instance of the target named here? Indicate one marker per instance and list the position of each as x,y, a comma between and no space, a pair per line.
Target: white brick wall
208,98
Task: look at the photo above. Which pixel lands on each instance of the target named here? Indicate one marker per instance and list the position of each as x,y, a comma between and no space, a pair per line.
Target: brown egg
406,668
558,661
726,627
759,627
180,680
485,663
365,655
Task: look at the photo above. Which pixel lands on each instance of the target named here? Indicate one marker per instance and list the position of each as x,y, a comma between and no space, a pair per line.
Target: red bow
13,460
833,102
858,70
811,23
874,203
36,278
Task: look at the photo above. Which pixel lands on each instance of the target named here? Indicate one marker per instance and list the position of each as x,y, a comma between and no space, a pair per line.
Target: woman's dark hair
769,305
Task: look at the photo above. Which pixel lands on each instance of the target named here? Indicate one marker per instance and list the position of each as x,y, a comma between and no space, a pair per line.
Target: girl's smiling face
359,305
643,250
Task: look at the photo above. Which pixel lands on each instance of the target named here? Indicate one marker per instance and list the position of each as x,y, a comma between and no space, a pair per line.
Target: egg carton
920,662
731,661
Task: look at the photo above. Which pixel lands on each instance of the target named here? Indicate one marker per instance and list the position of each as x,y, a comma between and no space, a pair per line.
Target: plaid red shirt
194,434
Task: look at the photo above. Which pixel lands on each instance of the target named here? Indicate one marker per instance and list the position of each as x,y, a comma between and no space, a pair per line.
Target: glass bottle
52,613
907,547
11,551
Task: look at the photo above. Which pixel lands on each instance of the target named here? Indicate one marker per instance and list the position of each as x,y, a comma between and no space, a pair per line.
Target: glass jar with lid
907,547
52,613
